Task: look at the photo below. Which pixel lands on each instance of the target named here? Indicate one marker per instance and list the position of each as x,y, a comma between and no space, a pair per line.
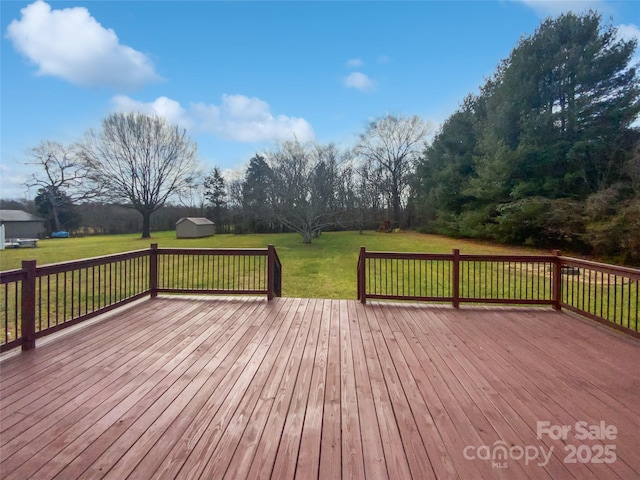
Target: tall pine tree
549,131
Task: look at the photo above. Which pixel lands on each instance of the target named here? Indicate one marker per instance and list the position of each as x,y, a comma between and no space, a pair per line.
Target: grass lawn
324,269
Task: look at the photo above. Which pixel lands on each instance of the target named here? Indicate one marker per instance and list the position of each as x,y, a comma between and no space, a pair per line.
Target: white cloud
359,81
630,32
162,106
545,8
355,62
12,182
72,45
237,118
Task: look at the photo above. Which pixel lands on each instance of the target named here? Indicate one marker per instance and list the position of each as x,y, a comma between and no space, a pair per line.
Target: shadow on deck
245,388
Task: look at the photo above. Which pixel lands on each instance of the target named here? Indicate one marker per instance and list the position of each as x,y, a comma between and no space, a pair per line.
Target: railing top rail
215,251
11,276
408,255
633,273
507,258
462,257
69,265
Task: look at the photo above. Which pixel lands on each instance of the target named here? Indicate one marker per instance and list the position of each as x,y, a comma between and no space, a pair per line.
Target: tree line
546,154
310,187
141,162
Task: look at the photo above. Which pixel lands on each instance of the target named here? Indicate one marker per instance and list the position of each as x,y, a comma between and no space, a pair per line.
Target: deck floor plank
43,375
287,455
187,429
467,419
375,465
492,378
210,367
495,379
73,415
168,370
264,459
121,401
256,417
331,442
352,455
546,372
308,462
395,456
412,443
409,368
482,413
555,372
244,388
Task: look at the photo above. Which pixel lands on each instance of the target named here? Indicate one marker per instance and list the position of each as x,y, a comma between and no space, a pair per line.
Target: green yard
324,269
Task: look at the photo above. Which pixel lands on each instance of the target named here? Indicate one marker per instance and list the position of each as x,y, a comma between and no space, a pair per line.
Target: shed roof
196,220
18,216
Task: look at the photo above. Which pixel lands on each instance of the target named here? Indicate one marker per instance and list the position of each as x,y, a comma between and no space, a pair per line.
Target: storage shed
20,224
194,227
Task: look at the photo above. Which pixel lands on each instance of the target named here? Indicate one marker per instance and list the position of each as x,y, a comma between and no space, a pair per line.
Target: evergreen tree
57,209
568,95
215,191
257,193
549,131
444,169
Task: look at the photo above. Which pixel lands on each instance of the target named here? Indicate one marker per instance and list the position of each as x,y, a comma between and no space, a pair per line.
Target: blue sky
240,76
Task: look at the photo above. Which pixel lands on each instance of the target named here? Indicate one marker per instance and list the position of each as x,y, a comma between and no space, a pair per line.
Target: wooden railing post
153,270
556,293
455,279
362,278
28,305
271,272
277,278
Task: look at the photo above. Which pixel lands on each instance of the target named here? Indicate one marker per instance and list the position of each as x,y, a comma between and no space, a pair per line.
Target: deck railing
606,293
218,271
38,300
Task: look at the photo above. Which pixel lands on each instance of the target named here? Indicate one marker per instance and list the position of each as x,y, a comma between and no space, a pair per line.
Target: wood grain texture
296,388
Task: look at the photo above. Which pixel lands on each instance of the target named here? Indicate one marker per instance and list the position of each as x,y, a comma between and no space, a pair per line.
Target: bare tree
367,185
305,181
62,177
192,196
235,183
141,160
392,146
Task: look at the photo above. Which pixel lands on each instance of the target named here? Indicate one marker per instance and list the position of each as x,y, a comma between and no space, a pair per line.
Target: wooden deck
241,388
